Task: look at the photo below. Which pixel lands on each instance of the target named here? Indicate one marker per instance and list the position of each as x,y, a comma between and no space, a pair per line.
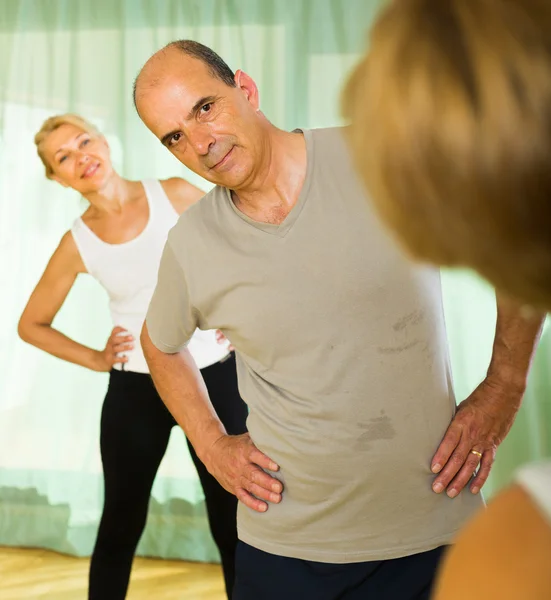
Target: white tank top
128,272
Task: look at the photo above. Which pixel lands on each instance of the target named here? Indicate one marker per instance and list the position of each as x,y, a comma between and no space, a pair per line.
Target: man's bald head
217,66
207,116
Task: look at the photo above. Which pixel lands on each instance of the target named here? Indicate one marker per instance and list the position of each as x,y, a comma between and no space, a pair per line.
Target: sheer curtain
79,56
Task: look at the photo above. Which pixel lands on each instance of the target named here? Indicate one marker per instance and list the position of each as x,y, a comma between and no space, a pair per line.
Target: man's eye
84,142
206,107
174,139
62,159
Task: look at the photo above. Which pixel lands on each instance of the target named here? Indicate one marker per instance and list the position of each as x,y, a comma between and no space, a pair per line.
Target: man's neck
277,186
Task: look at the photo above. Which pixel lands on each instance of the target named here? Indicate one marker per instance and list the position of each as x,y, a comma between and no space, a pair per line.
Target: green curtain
81,56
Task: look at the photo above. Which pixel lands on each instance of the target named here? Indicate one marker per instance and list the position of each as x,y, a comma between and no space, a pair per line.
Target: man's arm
233,460
484,419
517,335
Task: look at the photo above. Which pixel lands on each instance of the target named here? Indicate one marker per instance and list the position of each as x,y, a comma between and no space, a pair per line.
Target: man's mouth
222,162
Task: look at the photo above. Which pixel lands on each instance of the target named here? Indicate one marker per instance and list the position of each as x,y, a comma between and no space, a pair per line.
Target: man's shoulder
329,143
329,135
205,206
197,220
331,151
336,131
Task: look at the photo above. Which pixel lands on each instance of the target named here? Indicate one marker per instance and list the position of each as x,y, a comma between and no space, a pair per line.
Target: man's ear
246,84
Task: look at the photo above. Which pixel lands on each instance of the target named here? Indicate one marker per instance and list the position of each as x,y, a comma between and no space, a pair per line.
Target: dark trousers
135,429
263,576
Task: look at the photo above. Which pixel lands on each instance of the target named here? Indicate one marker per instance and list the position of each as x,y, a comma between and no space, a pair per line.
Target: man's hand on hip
481,423
238,466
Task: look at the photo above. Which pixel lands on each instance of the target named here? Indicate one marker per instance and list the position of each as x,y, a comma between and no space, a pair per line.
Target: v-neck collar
286,225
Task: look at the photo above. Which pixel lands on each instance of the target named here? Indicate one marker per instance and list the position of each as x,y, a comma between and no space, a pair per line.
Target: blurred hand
238,466
116,344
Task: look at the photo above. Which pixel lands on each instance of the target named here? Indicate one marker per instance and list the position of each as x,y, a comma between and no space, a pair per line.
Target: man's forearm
517,335
182,389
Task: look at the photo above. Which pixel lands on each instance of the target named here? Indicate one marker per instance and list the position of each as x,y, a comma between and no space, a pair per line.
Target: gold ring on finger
479,454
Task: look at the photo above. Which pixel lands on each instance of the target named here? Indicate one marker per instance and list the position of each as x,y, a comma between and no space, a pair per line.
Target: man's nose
201,140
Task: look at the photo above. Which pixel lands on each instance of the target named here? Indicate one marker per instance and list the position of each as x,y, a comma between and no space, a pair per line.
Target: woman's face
79,160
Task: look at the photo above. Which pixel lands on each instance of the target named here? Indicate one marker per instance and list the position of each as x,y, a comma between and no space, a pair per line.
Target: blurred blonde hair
53,123
451,132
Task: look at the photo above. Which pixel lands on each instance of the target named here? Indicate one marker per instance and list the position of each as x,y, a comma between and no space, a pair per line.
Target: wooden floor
39,574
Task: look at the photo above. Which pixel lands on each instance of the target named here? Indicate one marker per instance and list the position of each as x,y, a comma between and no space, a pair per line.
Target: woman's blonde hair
451,131
54,123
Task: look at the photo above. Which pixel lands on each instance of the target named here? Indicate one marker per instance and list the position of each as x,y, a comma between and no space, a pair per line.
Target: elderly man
341,345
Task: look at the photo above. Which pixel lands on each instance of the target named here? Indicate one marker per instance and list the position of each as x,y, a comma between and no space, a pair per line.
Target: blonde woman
118,240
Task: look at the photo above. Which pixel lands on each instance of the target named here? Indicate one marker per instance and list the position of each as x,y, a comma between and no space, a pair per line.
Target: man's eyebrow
201,102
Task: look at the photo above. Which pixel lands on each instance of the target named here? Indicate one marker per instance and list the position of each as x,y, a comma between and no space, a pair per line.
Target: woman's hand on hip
119,342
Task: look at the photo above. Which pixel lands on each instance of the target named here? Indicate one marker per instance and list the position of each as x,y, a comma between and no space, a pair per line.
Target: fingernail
452,493
276,487
475,490
274,497
437,487
436,468
273,467
263,508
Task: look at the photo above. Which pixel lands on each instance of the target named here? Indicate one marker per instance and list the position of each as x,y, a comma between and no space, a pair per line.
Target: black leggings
135,429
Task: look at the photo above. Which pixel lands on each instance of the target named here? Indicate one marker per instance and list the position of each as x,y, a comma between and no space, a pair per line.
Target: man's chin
232,179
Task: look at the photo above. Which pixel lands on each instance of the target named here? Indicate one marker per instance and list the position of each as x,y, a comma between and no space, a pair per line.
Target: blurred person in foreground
451,133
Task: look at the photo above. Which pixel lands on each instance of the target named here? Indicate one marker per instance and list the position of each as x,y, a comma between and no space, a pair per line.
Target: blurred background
81,56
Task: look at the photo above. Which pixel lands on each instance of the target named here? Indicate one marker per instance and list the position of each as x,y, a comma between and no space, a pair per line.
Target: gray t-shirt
342,360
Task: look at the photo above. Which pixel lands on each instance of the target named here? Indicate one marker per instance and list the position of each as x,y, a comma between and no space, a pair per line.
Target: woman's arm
181,193
35,324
